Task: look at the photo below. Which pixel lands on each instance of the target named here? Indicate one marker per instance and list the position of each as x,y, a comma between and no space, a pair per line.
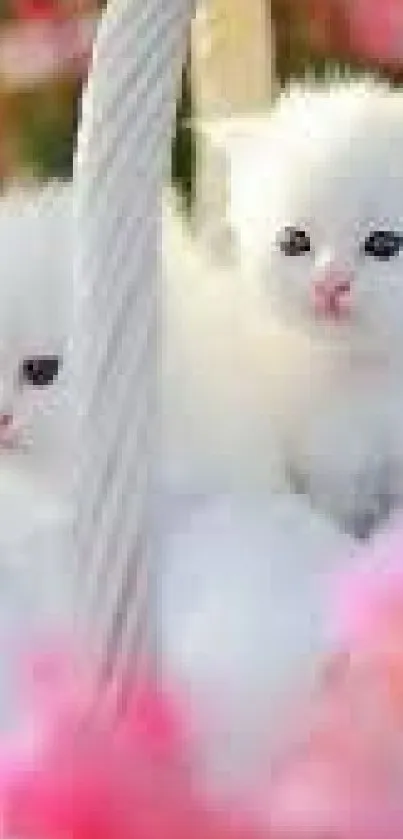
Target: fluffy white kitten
280,377
35,426
291,368
35,321
35,326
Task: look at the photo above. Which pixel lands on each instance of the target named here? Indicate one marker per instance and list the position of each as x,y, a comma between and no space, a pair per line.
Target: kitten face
317,200
29,393
35,291
335,266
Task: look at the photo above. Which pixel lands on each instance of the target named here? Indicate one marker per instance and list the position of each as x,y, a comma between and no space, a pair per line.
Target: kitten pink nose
332,294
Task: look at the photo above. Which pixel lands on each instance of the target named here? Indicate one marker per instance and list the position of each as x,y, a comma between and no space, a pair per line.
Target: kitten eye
383,244
294,242
40,372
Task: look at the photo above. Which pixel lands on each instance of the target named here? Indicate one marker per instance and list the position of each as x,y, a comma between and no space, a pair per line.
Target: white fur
35,320
243,596
256,387
261,400
35,313
35,517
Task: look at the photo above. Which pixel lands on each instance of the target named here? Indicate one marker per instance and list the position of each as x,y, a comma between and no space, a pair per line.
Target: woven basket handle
122,159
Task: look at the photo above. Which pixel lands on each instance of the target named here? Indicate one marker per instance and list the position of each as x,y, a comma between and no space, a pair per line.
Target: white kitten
298,358
35,419
35,320
35,452
282,375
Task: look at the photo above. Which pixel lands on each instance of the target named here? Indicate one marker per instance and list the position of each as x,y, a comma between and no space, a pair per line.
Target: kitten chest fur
341,433
249,404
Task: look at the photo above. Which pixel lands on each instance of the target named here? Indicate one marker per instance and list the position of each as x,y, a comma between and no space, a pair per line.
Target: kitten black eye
294,242
40,371
383,244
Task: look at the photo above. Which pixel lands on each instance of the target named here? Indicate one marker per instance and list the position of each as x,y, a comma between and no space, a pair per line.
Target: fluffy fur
265,400
242,597
258,389
35,453
35,324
